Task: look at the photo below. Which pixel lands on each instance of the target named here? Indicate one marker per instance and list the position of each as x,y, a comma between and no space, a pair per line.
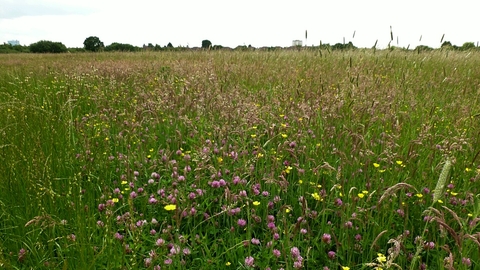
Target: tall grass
231,160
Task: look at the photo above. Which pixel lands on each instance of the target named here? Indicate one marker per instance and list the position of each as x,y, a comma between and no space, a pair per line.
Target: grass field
240,160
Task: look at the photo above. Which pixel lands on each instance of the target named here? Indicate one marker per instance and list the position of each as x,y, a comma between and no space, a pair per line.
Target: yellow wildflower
419,195
376,165
256,203
381,258
361,195
170,207
316,196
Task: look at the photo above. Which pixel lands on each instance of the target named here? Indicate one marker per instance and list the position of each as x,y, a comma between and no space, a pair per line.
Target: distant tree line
465,47
94,44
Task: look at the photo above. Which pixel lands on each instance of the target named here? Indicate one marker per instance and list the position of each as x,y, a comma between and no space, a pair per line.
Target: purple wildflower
295,252
22,253
327,238
242,222
466,261
249,261
255,241
331,255
160,242
118,236
276,253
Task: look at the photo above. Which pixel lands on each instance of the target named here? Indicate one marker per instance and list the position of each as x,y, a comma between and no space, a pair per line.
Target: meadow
240,160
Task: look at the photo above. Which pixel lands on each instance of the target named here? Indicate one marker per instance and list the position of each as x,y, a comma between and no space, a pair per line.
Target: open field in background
240,160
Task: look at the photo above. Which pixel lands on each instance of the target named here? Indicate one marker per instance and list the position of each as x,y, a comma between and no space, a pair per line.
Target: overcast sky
247,22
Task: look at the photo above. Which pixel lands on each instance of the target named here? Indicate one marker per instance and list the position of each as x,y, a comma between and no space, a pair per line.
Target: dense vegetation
313,159
94,44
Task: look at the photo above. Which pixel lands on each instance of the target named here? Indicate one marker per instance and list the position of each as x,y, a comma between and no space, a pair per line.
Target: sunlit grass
228,160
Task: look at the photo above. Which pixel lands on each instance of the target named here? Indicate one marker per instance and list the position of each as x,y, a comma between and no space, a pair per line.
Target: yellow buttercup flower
316,196
376,165
381,258
170,207
256,203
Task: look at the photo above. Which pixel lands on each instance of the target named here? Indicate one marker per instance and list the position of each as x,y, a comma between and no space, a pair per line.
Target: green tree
93,44
446,44
206,44
7,48
468,46
120,47
423,48
45,46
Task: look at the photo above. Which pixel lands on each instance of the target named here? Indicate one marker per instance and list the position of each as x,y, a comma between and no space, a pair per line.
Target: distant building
297,43
13,42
